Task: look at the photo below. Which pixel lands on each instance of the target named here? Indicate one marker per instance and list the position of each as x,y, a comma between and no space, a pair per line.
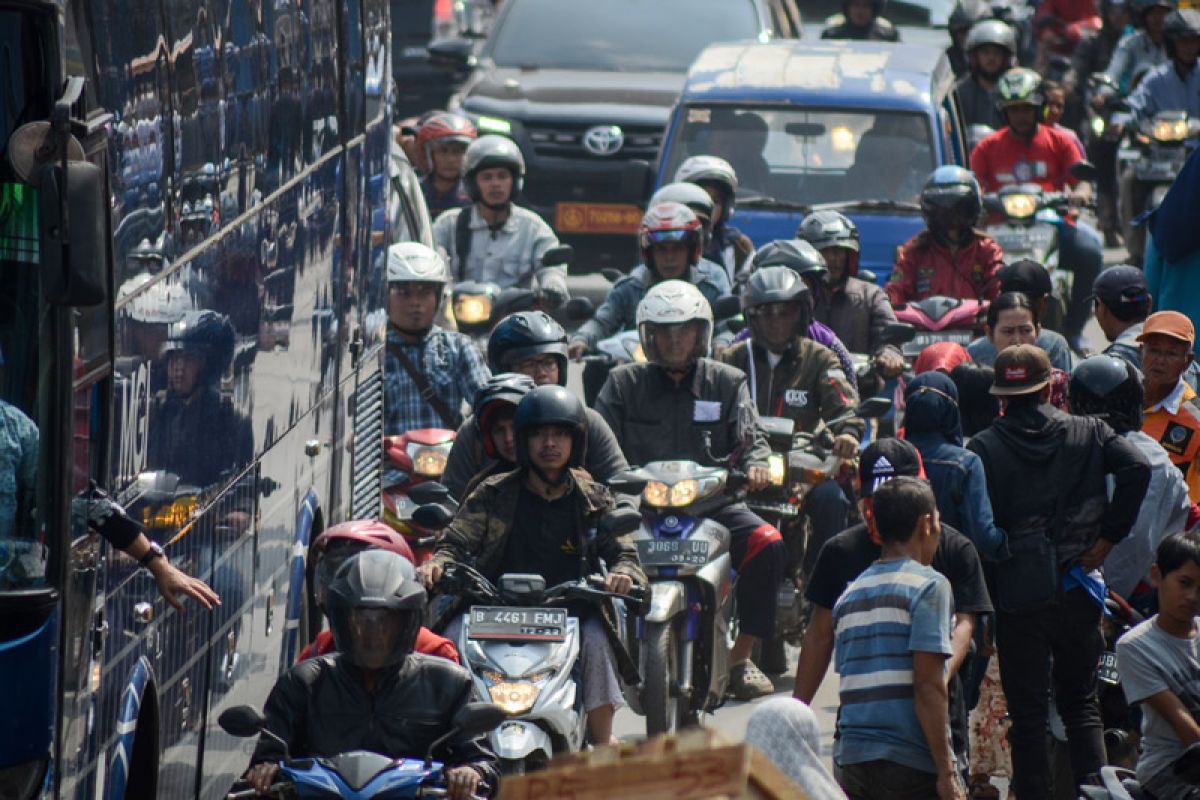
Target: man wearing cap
1032,280
1047,475
1172,416
848,554
1121,300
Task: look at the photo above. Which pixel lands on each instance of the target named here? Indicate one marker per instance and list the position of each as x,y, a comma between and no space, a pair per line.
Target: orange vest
1179,435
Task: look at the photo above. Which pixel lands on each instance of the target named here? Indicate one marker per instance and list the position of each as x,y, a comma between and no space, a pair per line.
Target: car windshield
617,35
900,12
802,157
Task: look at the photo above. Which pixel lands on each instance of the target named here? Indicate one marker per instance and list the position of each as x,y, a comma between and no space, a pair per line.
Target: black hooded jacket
1035,454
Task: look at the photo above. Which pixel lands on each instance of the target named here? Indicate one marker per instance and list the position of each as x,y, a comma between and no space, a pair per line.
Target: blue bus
175,174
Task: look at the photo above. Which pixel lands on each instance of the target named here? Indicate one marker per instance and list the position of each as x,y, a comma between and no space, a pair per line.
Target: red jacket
1069,20
428,643
925,268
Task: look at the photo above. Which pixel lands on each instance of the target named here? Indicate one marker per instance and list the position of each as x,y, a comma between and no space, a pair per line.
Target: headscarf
940,356
1173,223
931,407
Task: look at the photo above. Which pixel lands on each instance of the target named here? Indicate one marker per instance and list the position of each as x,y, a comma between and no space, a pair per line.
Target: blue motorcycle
359,774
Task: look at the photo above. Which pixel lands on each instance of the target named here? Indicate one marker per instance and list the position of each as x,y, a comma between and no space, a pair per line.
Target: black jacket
880,30
1025,479
978,105
321,707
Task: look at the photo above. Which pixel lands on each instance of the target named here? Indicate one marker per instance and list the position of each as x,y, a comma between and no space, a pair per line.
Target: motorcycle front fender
667,599
518,739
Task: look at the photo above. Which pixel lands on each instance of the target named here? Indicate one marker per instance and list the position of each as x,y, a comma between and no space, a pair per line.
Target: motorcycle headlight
472,309
657,494
1097,125
429,461
514,697
1019,206
776,469
685,493
1170,130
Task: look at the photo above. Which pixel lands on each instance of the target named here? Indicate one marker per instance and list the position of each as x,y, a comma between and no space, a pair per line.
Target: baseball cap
1169,323
885,459
1025,275
1119,285
1021,369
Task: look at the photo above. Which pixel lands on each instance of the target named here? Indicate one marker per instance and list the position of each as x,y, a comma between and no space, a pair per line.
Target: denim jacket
960,486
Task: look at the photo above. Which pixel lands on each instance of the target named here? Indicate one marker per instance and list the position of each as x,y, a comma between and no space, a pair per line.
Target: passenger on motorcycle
861,19
1138,52
951,257
683,405
964,16
530,343
1029,152
375,693
1061,25
537,519
444,138
1030,279
856,310
671,241
727,246
495,240
698,200
490,429
335,547
792,376
1174,86
991,48
428,371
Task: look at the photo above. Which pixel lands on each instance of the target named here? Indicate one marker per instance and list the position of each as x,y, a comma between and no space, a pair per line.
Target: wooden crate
694,764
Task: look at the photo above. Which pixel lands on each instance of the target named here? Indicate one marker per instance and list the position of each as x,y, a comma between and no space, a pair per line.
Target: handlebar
279,790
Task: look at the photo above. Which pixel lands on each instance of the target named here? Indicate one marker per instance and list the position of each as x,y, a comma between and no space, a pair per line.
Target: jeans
1064,644
827,508
1082,252
886,780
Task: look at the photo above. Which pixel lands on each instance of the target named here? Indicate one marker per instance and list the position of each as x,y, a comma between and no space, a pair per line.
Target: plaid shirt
452,365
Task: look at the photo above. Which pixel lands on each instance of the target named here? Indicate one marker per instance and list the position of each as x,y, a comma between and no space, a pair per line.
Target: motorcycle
521,645
941,319
478,305
421,456
358,774
1150,158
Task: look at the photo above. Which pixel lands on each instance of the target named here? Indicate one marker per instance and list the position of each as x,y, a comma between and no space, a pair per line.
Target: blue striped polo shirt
893,609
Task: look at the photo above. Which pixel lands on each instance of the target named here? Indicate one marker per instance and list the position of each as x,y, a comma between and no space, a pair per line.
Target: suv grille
565,140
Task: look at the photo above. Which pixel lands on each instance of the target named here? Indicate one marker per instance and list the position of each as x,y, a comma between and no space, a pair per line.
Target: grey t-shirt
1151,661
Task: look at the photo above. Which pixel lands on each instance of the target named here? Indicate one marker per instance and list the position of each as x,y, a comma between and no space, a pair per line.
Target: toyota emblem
604,140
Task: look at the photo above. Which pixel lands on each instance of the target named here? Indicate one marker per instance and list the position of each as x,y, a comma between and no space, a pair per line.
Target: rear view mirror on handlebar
562,255
874,407
898,333
620,521
578,309
242,721
1084,171
631,482
433,516
428,492
726,307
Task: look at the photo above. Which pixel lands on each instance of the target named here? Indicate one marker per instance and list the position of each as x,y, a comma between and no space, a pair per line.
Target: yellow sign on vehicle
596,218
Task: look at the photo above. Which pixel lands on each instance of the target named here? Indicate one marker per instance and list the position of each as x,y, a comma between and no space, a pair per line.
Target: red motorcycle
421,455
941,319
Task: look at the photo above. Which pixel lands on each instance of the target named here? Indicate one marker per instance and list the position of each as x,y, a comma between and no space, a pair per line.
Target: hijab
931,407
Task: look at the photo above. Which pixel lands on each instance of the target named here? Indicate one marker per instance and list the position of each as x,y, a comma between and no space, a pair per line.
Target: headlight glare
472,309
656,494
515,698
684,493
1019,206
776,469
1170,130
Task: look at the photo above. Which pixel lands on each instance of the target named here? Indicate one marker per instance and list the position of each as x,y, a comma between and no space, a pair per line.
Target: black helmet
690,195
205,333
777,284
491,151
375,607
505,388
965,14
551,405
950,200
524,334
1179,24
1110,388
1142,7
823,229
795,254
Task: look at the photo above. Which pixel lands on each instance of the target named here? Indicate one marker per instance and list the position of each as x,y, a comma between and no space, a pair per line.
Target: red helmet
340,542
670,222
445,127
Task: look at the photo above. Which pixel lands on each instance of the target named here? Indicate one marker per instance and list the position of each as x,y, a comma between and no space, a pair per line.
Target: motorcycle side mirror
620,521
578,309
727,307
777,426
428,492
631,482
735,324
242,721
476,719
992,204
433,517
1084,171
867,275
612,274
874,407
559,256
898,333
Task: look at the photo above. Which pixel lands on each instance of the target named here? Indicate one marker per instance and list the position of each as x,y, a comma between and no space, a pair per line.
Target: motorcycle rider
726,246
1174,86
1061,25
857,311
530,343
1138,52
861,19
375,693
1026,151
964,16
951,257
491,425
792,376
196,433
495,240
1172,411
695,198
428,371
680,404
537,519
991,48
444,138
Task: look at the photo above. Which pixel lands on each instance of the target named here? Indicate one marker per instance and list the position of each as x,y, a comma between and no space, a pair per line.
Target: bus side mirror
74,247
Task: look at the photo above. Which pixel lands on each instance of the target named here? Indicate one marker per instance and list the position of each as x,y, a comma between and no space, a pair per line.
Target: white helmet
413,262
711,169
162,304
673,303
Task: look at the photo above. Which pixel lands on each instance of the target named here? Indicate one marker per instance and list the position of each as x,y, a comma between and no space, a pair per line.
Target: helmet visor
659,237
375,638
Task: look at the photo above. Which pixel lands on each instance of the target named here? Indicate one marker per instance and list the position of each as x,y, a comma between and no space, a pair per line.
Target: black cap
1025,275
885,459
1121,285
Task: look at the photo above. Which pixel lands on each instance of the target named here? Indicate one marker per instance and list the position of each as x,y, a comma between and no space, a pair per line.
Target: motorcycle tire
665,710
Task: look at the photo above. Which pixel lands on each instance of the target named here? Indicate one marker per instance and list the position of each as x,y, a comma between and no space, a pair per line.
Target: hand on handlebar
757,478
429,573
576,349
618,583
889,363
261,776
461,783
845,446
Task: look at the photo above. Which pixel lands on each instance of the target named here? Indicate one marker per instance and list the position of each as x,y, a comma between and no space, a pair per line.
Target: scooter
421,456
358,774
478,305
1150,158
941,319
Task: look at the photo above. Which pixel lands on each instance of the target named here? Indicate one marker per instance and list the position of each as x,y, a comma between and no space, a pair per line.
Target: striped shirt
890,611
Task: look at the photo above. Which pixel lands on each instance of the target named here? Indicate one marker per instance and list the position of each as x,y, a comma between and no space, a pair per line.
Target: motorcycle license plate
926,338
673,552
1107,671
518,624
